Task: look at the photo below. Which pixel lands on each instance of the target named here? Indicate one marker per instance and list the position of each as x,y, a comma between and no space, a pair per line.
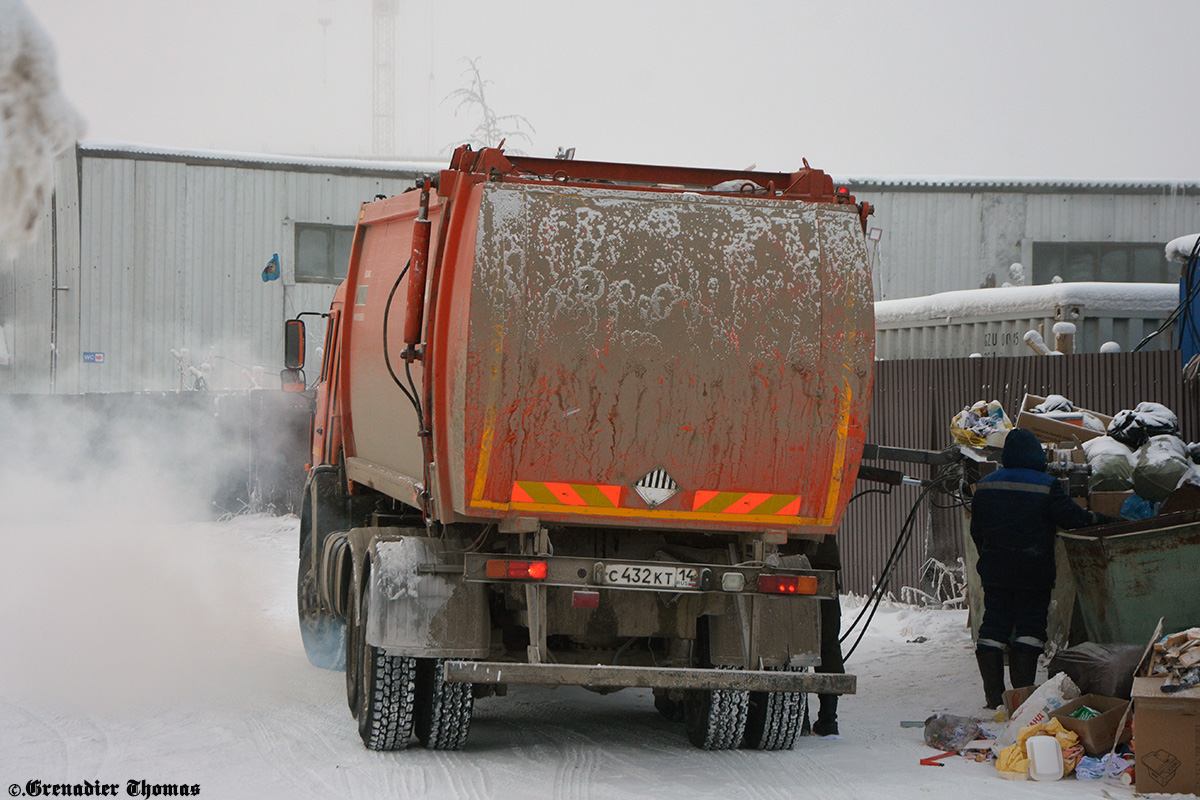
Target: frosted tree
493,128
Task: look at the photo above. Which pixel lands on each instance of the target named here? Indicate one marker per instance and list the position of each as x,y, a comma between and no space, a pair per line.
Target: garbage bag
1136,507
949,732
1161,463
1134,427
1112,465
1104,669
1194,452
1054,402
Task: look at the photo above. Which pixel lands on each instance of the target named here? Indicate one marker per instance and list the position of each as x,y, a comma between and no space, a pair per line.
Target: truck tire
443,711
715,719
323,633
383,695
773,720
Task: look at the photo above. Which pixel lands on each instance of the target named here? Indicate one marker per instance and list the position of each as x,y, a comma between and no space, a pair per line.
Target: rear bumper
587,573
648,677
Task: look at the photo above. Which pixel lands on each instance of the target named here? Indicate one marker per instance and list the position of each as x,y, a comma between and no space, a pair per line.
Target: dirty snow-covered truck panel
594,338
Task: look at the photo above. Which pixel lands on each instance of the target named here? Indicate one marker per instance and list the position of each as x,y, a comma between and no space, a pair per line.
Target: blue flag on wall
271,270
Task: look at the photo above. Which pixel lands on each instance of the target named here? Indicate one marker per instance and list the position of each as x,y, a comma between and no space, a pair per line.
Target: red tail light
516,570
787,584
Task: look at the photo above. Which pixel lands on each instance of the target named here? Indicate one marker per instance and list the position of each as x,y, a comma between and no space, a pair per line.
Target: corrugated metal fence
913,404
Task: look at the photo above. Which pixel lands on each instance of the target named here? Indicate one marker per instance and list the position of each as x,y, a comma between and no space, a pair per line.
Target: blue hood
1022,450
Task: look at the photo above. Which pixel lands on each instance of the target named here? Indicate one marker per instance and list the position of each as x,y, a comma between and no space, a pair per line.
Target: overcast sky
1088,90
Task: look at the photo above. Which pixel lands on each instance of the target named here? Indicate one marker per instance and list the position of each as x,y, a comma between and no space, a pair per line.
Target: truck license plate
651,577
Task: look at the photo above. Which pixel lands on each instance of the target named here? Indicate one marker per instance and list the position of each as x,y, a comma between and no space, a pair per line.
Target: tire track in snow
462,773
24,734
290,749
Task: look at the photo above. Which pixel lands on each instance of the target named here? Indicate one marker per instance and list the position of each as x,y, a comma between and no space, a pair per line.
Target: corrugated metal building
144,251
936,236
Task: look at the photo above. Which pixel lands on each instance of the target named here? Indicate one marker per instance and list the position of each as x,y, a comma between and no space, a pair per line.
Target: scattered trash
935,761
950,732
981,424
1101,726
918,640
1110,765
1178,657
1045,758
1050,696
1016,761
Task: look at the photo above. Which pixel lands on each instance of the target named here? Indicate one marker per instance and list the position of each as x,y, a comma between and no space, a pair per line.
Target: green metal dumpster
1127,575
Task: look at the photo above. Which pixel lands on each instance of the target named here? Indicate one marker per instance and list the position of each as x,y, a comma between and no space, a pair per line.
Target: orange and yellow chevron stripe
566,494
757,503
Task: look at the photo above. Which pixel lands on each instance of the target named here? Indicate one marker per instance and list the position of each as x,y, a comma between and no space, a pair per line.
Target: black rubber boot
1022,666
826,724
991,669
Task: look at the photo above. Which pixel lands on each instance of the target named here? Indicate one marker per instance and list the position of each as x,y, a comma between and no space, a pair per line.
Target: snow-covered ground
170,653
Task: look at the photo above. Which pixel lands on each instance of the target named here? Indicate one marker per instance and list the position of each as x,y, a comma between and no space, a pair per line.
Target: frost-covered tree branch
492,128
36,122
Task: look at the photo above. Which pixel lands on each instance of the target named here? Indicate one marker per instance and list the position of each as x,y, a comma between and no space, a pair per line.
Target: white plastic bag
1050,696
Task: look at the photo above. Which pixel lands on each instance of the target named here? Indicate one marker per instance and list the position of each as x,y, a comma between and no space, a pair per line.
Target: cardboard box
1054,431
1108,502
1014,697
1168,737
1097,734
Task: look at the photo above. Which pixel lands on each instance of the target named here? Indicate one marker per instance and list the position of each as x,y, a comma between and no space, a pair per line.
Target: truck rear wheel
383,695
323,634
773,720
715,719
443,710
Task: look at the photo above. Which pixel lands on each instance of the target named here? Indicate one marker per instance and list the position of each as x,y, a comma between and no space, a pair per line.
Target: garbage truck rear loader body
579,424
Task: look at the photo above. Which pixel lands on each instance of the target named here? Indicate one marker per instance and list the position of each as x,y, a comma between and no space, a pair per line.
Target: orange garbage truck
582,423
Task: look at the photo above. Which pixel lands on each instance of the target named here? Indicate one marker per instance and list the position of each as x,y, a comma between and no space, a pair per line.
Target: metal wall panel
939,238
171,254
914,402
27,278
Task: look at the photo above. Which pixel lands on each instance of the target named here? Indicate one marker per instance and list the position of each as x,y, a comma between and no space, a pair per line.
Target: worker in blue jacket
1015,515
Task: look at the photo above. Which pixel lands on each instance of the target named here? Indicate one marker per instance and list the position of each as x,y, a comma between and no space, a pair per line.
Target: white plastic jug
1045,758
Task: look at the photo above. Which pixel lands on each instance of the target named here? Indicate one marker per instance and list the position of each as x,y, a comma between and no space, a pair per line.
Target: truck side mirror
293,344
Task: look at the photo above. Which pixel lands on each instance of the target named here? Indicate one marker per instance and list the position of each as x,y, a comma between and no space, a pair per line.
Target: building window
1118,262
322,252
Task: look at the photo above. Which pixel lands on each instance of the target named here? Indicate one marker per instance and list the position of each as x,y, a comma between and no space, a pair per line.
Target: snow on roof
953,183
1095,296
102,148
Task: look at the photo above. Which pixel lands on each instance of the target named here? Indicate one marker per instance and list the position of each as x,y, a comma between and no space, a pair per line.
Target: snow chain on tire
715,719
443,708
388,690
774,719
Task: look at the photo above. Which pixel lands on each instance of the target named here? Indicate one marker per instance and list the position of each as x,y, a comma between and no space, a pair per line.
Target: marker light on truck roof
787,584
516,570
